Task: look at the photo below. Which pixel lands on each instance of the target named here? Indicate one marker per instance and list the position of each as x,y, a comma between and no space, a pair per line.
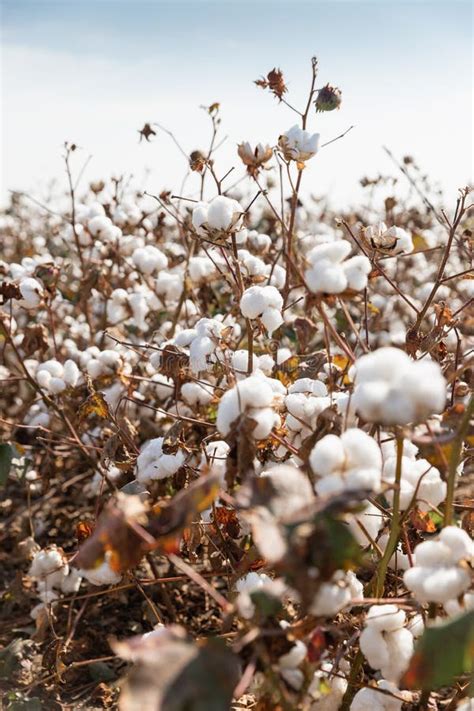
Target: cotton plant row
313,366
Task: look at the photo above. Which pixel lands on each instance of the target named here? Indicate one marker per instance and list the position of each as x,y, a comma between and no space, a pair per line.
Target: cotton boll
327,455
71,373
372,699
31,291
417,476
149,259
246,585
356,271
200,218
239,362
438,574
265,302
298,145
350,462
253,392
56,386
102,575
152,463
265,420
272,319
223,213
371,519
390,388
293,489
334,688
385,642
162,385
50,566
197,393
336,594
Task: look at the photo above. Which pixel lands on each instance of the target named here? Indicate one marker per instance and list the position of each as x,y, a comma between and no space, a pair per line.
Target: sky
94,71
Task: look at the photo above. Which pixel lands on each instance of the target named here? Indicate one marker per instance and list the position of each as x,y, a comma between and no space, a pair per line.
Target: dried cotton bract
394,239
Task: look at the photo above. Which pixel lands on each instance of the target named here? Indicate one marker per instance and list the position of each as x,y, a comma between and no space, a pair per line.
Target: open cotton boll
350,462
71,373
247,396
299,145
149,259
152,463
222,214
103,228
356,271
336,594
394,240
203,343
246,585
454,607
385,642
50,566
288,663
418,476
392,389
310,386
31,291
327,690
102,574
197,393
265,302
371,520
292,488
374,700
214,458
239,362
438,574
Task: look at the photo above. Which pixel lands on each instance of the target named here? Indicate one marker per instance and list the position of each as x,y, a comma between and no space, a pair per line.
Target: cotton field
236,436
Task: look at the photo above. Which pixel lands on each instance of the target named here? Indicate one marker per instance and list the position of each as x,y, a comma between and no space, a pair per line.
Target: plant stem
378,582
454,462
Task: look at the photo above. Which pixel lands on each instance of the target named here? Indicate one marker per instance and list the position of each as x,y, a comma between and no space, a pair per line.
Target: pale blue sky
93,71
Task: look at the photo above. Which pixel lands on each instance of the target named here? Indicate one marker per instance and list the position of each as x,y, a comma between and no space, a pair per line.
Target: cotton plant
439,571
392,389
329,272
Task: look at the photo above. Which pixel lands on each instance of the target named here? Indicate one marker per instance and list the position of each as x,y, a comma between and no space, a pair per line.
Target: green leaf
6,456
443,653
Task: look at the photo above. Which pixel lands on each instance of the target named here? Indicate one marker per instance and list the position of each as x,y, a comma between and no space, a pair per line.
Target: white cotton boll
43,378
102,575
360,449
310,386
385,618
293,489
390,388
259,242
244,586
336,594
294,657
454,607
253,302
71,373
326,277
265,420
72,582
299,145
31,291
370,699
140,310
162,386
356,271
110,360
466,705
327,455
223,213
239,362
49,565
94,368
417,476
100,226
149,259
459,543
214,459
152,463
371,519
56,386
197,393
253,392
272,319
200,269
200,218
169,285
333,689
